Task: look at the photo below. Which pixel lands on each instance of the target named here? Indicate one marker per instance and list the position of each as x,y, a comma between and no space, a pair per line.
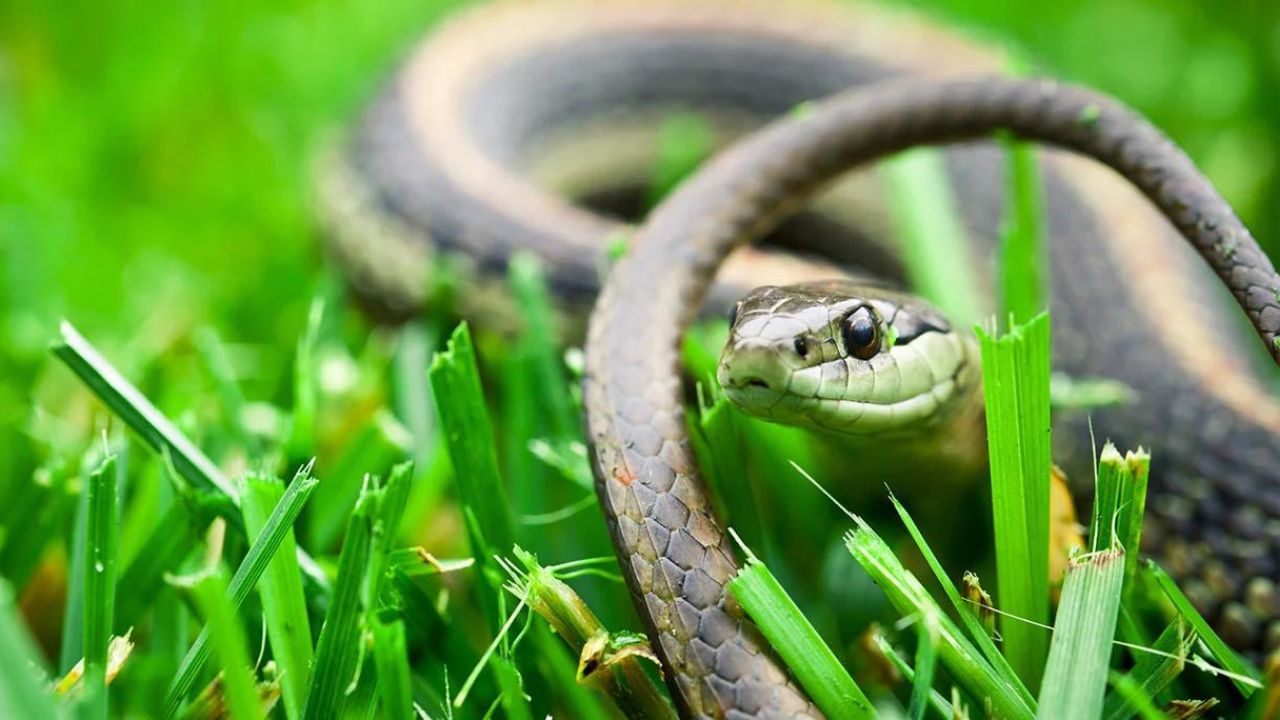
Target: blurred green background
154,162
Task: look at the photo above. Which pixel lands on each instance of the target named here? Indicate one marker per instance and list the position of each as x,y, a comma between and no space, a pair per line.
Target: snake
532,126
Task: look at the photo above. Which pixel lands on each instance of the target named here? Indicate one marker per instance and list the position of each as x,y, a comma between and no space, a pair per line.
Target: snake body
470,149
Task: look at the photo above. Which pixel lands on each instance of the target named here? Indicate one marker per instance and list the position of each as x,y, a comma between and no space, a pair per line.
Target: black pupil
733,315
862,332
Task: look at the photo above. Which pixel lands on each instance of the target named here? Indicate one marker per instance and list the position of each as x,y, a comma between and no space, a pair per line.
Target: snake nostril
756,382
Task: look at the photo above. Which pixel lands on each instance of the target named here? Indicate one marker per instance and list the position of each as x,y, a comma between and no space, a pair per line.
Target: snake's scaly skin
462,154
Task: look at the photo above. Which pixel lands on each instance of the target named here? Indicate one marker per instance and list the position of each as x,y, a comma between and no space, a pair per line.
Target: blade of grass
1015,372
1244,675
809,658
305,384
1022,253
1134,699
1151,673
925,663
171,540
394,681
962,660
939,703
1133,507
251,568
227,638
339,649
469,437
22,690
284,607
929,225
131,406
1075,678
214,353
967,613
540,335
101,536
1106,503
123,399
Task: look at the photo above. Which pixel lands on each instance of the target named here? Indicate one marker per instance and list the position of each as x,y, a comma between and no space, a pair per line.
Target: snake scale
508,113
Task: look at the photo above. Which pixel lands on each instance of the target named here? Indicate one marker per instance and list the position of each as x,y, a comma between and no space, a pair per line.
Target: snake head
845,357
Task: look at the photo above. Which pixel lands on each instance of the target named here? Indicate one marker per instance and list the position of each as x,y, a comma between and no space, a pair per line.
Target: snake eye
802,346
733,314
861,334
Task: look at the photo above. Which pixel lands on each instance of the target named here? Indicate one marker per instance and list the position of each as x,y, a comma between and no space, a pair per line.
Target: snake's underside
480,144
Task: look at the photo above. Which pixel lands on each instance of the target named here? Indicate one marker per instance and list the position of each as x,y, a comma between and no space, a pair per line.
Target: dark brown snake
464,154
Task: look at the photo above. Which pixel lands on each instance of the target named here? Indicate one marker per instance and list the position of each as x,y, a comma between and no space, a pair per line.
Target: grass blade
131,406
1151,673
939,703
227,637
797,642
931,230
1022,253
339,648
1245,677
245,578
1075,678
961,659
123,399
1015,372
22,691
101,537
455,381
284,606
968,616
394,681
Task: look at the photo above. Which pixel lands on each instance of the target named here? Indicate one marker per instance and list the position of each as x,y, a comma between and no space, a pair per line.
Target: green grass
1015,371
155,172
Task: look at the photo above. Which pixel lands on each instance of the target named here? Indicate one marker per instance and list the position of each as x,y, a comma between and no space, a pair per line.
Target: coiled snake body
508,109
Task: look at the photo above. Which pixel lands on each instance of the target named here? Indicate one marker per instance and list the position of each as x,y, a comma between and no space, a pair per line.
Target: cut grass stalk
810,660
284,607
239,690
927,221
251,568
22,690
101,537
1015,372
961,659
1075,678
615,671
1244,675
